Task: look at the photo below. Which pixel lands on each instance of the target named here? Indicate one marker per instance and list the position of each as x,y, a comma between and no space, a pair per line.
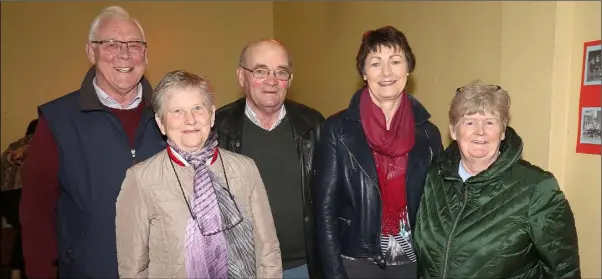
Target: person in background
371,165
280,136
11,163
486,213
83,145
194,210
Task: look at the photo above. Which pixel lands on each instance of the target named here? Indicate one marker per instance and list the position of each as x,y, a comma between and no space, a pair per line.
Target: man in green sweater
279,135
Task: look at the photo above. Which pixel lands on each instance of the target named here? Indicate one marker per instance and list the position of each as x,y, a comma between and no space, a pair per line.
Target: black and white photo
591,121
593,66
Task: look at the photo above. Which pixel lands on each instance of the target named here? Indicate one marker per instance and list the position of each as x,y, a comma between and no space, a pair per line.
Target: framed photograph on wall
591,120
593,67
590,114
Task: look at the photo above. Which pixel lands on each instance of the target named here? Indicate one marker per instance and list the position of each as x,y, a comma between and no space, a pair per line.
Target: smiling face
479,137
187,118
386,73
119,71
265,94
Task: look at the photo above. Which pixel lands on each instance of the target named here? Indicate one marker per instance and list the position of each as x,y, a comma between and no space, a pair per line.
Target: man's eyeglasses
283,75
134,47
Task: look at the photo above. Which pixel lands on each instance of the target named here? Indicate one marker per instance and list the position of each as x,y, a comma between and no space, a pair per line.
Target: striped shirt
398,248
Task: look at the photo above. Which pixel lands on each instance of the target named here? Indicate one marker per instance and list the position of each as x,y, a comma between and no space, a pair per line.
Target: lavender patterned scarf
219,243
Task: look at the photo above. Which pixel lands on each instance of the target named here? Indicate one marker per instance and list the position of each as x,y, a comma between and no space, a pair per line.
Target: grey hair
181,79
248,47
479,98
112,12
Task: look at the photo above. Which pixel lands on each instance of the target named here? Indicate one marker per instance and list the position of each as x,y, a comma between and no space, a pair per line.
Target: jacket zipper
465,192
133,150
380,232
451,233
137,136
348,222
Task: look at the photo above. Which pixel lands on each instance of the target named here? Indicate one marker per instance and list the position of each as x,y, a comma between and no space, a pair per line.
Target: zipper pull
133,151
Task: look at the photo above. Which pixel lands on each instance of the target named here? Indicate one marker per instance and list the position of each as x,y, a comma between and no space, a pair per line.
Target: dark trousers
9,209
367,269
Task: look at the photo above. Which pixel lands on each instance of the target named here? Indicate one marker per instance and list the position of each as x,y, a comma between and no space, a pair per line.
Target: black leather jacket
346,191
305,122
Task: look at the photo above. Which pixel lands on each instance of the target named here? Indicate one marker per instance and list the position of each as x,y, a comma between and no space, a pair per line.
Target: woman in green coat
485,212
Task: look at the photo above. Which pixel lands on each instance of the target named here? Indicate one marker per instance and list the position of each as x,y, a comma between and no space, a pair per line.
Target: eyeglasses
224,195
114,46
492,88
283,75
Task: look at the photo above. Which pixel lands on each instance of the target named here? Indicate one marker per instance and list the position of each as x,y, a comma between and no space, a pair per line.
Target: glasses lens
111,45
261,73
136,47
283,75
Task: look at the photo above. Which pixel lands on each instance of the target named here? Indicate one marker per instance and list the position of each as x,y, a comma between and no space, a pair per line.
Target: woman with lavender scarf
194,210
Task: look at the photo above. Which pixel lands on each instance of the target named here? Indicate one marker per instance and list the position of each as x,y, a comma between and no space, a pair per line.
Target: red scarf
390,150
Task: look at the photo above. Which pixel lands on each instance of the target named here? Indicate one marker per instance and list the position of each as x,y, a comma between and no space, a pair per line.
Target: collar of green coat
511,150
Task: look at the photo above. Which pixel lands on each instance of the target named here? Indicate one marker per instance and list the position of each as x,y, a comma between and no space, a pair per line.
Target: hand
15,274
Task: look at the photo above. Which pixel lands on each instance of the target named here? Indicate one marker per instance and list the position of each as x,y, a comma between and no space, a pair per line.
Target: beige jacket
152,216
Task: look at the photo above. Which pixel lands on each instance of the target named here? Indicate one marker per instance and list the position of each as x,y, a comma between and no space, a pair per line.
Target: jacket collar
421,115
359,148
233,121
511,150
89,100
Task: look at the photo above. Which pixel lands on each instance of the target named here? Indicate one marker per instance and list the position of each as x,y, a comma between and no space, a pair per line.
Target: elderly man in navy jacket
81,149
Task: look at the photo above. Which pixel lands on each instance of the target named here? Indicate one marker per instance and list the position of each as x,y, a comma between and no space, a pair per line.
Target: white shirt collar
106,100
186,162
253,117
463,172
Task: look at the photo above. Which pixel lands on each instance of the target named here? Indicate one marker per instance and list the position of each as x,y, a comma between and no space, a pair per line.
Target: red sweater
41,192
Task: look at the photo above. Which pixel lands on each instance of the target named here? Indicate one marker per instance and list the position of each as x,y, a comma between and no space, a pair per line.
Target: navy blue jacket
94,154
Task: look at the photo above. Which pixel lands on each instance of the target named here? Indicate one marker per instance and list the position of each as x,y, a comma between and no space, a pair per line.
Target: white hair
112,12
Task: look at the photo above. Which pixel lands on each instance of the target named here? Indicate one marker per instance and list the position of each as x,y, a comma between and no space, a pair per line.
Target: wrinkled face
265,94
187,118
118,69
386,73
478,136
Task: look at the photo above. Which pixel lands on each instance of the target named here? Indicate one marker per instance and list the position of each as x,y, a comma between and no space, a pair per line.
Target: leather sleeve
434,138
552,230
324,185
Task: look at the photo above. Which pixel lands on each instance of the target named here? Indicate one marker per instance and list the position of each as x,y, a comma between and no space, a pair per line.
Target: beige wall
532,49
579,174
450,48
43,48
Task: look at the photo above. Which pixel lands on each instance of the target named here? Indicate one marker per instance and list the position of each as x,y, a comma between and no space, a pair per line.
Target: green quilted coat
509,221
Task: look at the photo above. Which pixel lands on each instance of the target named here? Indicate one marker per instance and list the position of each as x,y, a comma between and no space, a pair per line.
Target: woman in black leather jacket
370,167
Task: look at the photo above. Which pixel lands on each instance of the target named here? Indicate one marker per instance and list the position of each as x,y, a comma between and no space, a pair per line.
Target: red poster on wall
590,114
